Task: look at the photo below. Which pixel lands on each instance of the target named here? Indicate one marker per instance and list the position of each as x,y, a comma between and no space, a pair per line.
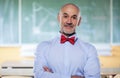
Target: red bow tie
64,39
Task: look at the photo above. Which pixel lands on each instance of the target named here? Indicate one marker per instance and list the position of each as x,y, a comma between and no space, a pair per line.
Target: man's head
69,18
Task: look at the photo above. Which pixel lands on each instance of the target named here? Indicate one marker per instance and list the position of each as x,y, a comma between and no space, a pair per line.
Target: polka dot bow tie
64,39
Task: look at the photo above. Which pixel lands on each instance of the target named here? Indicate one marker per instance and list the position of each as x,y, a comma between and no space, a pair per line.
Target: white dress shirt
66,59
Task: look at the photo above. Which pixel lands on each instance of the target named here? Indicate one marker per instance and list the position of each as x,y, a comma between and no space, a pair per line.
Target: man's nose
69,20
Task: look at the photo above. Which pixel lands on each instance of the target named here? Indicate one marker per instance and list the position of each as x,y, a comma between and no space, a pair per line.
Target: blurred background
25,23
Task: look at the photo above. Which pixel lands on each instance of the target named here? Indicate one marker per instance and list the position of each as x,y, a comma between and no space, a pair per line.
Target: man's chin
68,32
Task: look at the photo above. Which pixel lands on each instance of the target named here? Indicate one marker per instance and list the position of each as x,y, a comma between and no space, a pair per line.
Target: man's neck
68,35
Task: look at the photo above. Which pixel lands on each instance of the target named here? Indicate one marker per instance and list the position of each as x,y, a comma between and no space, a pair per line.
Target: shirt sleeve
92,67
41,61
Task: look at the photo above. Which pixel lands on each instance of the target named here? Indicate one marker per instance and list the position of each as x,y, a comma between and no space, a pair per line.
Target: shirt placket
66,58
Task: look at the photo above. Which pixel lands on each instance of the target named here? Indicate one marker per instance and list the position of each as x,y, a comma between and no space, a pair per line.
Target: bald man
66,56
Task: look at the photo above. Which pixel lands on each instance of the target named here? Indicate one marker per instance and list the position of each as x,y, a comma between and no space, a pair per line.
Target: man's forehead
73,13
69,14
70,9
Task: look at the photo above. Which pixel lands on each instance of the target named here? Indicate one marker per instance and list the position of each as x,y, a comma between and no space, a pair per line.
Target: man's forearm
77,77
48,70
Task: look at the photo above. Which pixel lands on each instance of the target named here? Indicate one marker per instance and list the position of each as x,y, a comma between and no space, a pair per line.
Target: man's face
69,19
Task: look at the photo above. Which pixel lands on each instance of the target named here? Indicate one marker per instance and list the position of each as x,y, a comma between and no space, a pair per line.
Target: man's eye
65,16
74,17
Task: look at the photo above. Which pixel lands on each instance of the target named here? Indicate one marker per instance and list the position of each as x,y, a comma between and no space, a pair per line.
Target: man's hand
47,69
76,77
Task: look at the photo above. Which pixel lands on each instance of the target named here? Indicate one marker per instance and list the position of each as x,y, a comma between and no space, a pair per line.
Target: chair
117,76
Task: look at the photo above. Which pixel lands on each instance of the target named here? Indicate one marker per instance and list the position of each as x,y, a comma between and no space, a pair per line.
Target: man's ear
79,21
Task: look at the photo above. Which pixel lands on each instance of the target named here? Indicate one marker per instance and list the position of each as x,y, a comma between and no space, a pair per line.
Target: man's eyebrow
65,14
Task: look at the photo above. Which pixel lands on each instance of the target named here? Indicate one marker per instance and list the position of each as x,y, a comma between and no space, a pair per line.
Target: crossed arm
48,70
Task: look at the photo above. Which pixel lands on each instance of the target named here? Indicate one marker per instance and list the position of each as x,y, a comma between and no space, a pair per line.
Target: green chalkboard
39,20
116,21
9,22
42,24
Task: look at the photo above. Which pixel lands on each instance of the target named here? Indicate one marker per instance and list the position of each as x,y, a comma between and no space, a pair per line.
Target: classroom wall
13,54
111,61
